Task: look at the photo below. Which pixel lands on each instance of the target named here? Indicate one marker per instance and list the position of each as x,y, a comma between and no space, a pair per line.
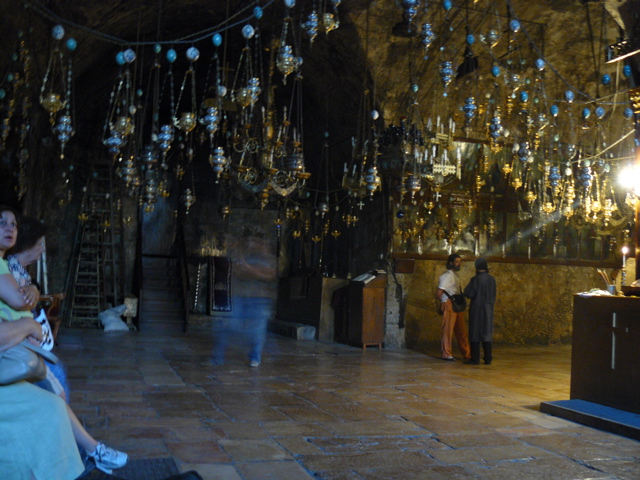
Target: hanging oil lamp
372,180
311,26
446,75
187,120
427,36
330,20
54,83
150,193
218,162
188,199
286,61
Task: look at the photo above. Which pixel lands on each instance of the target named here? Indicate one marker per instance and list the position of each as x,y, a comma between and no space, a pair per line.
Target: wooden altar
605,358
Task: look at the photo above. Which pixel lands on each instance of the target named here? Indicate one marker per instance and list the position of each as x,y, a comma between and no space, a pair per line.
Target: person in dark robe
482,292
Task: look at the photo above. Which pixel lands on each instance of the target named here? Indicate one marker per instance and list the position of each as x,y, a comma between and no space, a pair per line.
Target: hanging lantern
491,38
523,152
311,26
295,162
187,122
52,102
412,185
64,130
165,137
469,110
585,176
218,162
495,127
188,199
123,126
446,75
323,208
286,61
211,120
330,21
249,95
554,177
427,37
129,173
114,143
148,157
372,180
150,193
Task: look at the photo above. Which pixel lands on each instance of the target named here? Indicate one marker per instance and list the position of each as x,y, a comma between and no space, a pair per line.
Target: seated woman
28,249
36,440
19,301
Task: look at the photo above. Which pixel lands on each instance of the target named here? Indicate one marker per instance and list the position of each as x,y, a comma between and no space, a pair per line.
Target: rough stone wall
534,303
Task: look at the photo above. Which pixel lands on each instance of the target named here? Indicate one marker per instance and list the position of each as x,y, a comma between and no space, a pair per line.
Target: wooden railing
181,253
138,275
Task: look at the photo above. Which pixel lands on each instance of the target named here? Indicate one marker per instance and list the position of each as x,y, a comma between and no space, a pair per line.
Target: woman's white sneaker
108,458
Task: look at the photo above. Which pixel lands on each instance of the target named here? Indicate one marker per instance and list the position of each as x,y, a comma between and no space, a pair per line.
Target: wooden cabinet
366,312
605,357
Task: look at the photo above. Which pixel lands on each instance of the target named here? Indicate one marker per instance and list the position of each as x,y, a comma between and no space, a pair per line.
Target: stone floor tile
517,432
126,410
624,469
307,414
253,413
359,396
500,420
163,379
110,435
212,471
317,397
351,412
337,475
178,434
477,440
537,469
457,456
426,473
286,470
393,409
444,425
384,427
157,422
392,460
254,450
511,452
191,452
299,445
357,444
574,447
140,448
358,415
242,430
430,407
293,429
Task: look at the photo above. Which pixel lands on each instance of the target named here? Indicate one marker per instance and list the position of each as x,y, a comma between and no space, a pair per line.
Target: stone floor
328,411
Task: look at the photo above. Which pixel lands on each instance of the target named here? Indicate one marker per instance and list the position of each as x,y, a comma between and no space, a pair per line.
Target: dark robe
482,292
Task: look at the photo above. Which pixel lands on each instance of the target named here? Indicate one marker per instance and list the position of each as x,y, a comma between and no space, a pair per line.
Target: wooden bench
52,305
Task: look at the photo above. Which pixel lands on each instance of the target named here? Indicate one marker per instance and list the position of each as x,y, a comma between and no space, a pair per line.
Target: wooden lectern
366,310
604,351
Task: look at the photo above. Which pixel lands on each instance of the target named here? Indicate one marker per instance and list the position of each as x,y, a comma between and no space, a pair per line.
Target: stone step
299,331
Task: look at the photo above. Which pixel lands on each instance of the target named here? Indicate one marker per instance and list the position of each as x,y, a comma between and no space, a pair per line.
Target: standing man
482,292
254,283
452,322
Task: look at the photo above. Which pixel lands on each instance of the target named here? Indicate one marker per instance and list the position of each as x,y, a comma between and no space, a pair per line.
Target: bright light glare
629,178
625,250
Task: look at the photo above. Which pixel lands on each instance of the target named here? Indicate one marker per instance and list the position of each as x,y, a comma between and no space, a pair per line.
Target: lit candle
625,250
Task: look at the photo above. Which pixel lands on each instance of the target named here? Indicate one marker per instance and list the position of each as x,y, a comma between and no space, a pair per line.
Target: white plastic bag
111,320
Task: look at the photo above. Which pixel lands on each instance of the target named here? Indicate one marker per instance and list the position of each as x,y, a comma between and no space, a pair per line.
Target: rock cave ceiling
362,55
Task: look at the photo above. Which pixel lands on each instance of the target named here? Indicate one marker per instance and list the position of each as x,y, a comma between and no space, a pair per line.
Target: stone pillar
394,315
